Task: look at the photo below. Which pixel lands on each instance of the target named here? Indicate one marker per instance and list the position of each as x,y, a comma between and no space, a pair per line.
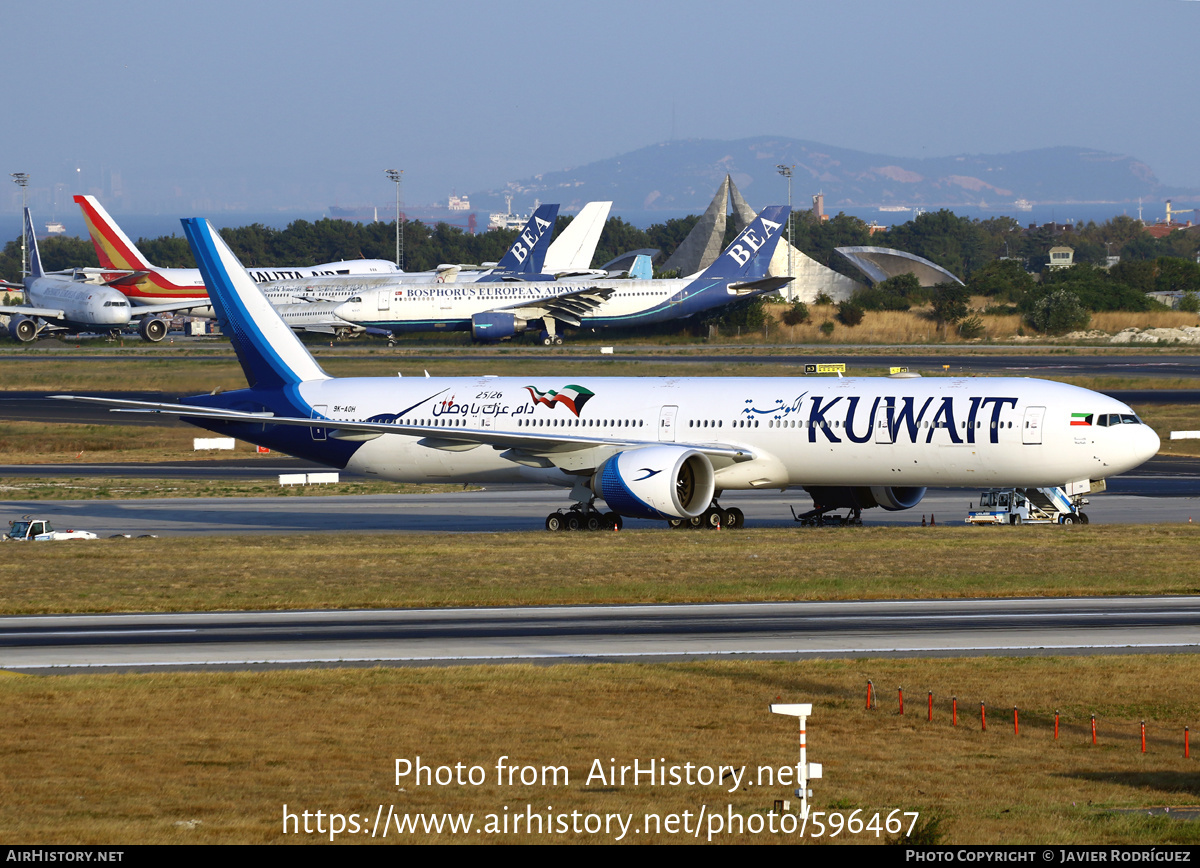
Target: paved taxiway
516,508
590,633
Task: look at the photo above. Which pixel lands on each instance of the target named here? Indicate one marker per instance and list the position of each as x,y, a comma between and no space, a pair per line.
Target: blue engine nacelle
495,325
865,497
22,328
656,482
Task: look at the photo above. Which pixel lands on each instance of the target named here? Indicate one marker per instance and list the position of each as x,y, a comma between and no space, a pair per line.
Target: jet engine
656,482
495,325
22,328
152,329
865,497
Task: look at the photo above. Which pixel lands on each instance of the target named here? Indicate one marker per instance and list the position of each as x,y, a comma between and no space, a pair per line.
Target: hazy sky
293,104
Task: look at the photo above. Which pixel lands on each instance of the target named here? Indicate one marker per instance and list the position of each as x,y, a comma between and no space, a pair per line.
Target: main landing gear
583,516
820,517
715,517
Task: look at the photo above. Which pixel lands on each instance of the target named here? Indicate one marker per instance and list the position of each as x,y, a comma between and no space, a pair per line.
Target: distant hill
682,176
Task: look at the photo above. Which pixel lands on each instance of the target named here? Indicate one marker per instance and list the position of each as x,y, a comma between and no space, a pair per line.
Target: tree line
995,257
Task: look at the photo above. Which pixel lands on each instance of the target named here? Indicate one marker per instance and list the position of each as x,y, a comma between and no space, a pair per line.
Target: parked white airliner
660,448
79,301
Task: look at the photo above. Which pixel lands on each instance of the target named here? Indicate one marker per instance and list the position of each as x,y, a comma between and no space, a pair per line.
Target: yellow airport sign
839,368
902,369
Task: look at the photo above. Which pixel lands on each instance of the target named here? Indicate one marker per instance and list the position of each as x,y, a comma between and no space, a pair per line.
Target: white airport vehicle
653,448
80,301
28,529
1032,505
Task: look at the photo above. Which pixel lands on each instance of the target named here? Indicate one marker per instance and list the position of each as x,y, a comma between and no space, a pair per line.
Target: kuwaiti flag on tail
1081,418
571,397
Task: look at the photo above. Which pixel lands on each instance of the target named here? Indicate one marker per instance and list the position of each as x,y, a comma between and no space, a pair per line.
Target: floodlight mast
21,179
396,176
786,171
806,771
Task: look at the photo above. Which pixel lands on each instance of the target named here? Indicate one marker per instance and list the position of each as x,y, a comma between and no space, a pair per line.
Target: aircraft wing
44,312
8,285
171,307
531,444
566,308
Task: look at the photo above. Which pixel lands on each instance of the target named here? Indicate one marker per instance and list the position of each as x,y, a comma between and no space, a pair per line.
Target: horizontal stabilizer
765,284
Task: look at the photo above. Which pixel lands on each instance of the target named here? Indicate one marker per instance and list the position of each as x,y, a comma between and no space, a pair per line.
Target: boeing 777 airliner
656,448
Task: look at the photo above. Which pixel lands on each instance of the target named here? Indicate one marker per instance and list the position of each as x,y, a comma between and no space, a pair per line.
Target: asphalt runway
556,634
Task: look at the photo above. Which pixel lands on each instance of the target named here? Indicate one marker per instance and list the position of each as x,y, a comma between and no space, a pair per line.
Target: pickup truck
38,529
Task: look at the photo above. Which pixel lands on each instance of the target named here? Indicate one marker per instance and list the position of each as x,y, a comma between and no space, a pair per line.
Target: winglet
35,258
113,247
270,353
749,256
528,252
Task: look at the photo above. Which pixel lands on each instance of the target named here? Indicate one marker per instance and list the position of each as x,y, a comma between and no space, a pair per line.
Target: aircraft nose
1148,443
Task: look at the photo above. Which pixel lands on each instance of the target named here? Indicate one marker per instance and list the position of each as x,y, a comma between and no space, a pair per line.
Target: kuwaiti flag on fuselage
271,355
571,397
1081,418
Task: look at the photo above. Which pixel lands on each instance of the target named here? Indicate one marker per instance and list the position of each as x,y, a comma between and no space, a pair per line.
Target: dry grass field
418,570
208,758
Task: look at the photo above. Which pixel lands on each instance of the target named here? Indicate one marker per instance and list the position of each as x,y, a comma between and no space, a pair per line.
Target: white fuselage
420,304
976,432
83,304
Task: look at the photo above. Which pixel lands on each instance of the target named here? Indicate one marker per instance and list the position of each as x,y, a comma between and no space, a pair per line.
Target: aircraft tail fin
528,252
749,256
270,353
573,249
113,247
35,258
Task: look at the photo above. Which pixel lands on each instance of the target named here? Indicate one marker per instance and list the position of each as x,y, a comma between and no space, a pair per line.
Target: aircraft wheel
592,522
712,518
557,339
1083,519
1016,519
676,523
695,522
554,522
547,341
1068,519
573,521
733,519
612,521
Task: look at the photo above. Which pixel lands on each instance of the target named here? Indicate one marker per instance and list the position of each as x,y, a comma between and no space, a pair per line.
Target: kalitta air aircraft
648,447
80,300
305,295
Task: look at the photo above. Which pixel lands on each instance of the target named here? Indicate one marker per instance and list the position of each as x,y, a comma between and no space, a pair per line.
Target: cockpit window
1130,419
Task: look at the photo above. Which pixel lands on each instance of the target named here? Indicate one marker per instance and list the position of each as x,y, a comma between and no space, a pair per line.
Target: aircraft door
385,300
1032,431
666,423
318,411
883,421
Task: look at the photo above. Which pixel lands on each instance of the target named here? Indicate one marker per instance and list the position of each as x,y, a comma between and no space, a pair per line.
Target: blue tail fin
35,258
528,252
749,256
271,355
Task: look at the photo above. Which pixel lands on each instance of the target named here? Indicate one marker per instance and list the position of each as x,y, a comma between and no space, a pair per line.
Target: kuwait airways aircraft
655,448
77,301
493,313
